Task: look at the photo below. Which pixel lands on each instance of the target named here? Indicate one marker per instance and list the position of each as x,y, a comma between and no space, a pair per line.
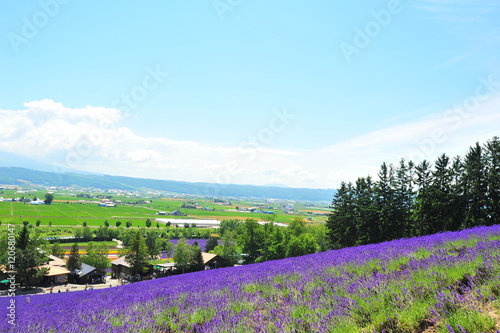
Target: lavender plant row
402,285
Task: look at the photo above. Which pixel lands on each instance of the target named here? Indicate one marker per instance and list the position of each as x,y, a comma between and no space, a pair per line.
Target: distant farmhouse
57,273
37,202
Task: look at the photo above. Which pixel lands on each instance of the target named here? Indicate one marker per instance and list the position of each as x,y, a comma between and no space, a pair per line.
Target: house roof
86,269
55,270
120,261
207,256
166,265
55,261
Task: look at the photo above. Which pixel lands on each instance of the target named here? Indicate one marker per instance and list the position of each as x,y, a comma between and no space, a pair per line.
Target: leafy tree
152,243
301,245
196,258
84,223
275,240
106,223
87,234
148,223
251,239
319,232
57,250
118,223
297,226
48,198
50,223
25,223
128,224
74,259
102,234
126,236
137,254
28,258
229,250
97,255
212,242
166,246
38,223
182,254
232,224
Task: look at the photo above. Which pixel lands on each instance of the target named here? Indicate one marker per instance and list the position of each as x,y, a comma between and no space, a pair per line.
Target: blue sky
293,92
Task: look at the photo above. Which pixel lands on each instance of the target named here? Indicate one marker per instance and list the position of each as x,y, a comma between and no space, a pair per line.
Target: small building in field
176,213
57,272
36,202
212,260
120,269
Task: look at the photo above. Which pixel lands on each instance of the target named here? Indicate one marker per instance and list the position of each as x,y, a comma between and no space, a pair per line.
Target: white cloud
92,139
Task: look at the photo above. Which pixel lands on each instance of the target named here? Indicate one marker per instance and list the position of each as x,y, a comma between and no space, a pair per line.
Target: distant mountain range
13,160
18,170
23,176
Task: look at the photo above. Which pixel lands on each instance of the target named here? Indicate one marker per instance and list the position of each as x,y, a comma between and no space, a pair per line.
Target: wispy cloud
92,139
456,10
454,60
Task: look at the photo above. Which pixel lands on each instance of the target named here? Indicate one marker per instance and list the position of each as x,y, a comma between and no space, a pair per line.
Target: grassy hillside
448,282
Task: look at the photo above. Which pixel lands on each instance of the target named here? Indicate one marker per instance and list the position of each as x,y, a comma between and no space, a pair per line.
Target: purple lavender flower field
449,282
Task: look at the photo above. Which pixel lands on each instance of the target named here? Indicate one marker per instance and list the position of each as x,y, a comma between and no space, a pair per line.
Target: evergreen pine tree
492,160
74,259
341,223
137,254
423,201
28,258
475,187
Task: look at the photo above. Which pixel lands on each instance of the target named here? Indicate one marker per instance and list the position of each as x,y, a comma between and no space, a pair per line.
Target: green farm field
72,211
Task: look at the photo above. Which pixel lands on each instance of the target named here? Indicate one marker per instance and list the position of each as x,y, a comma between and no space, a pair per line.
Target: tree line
412,200
253,242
